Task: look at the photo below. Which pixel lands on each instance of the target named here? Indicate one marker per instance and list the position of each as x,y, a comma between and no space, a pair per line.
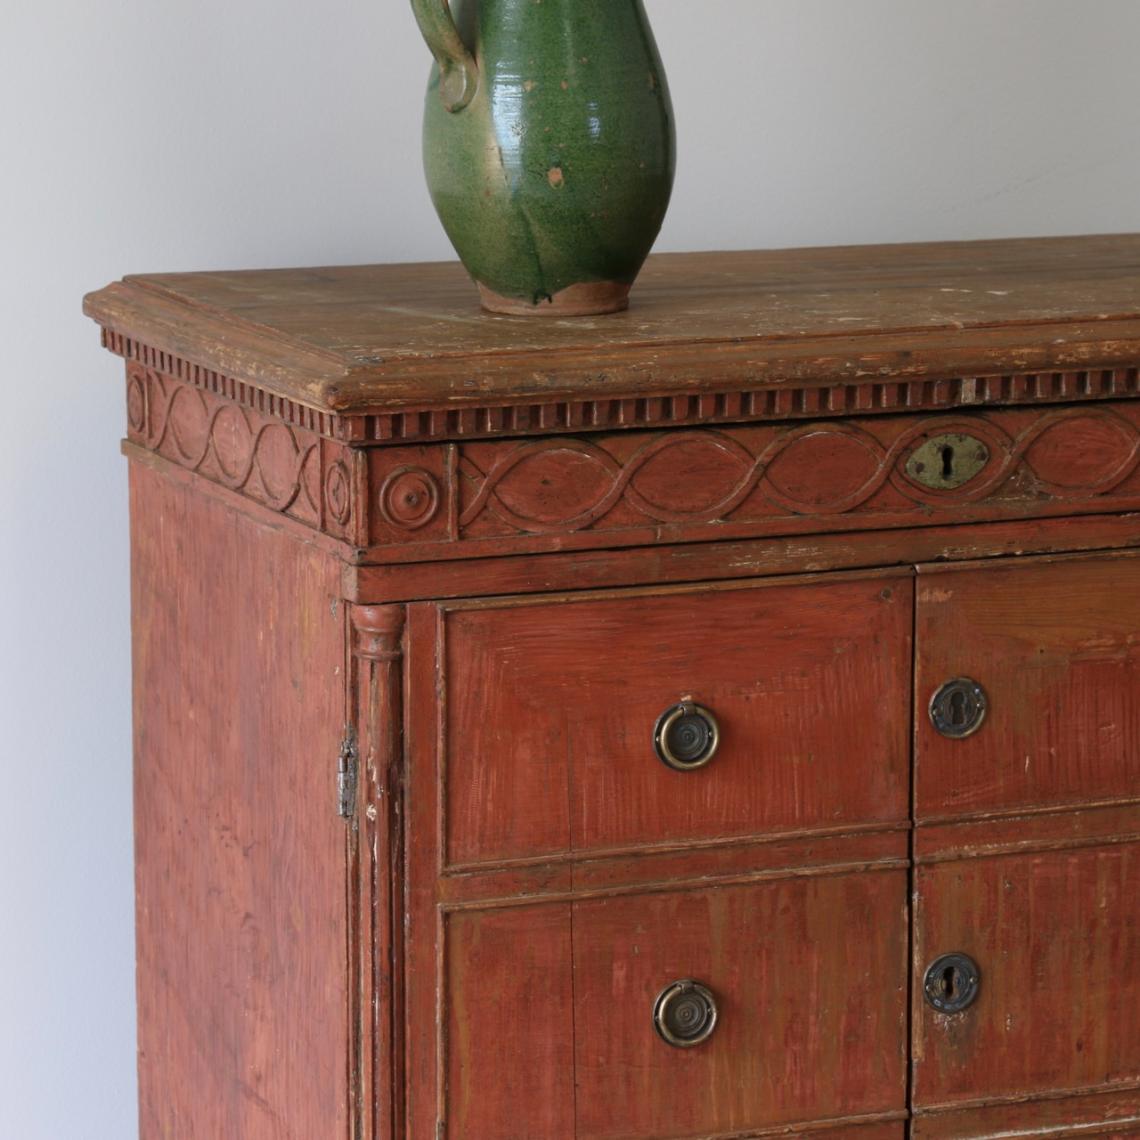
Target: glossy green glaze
548,146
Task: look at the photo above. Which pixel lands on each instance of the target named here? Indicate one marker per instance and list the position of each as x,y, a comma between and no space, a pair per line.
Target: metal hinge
346,768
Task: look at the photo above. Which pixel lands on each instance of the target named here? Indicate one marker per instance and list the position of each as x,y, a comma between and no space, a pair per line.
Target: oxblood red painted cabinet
713,722
1028,836
537,779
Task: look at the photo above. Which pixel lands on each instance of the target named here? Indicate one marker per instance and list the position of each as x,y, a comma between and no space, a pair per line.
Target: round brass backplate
684,1014
958,708
952,982
686,737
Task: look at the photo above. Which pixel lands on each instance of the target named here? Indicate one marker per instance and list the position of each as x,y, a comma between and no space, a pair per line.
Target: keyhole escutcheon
946,461
958,708
952,982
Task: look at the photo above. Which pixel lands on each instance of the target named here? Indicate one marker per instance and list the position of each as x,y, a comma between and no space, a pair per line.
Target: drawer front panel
1055,645
550,713
510,1012
1056,938
604,490
809,979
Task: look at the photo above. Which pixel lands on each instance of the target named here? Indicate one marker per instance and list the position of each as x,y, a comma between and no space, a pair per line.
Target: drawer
1055,937
809,1027
550,710
1054,645
551,1024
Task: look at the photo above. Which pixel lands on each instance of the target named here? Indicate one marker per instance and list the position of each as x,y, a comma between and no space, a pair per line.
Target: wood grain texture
239,709
510,1011
474,500
381,338
724,561
1056,937
359,504
1060,377
505,961
676,866
1056,644
559,571
1093,1116
551,712
642,488
811,1026
426,1008
1035,830
375,861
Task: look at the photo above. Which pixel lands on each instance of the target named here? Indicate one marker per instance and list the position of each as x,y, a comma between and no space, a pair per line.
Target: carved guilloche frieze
873,470
283,467
682,484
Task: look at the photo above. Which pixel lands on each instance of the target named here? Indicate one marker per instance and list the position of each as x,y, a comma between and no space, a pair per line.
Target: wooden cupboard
716,721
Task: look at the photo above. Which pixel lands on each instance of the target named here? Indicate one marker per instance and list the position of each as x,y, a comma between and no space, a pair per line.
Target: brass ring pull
686,737
684,1014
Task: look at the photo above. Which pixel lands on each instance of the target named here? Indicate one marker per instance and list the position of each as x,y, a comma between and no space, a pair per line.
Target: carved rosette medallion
409,498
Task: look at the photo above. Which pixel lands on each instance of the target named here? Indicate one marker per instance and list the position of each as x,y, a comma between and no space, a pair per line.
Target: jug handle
458,72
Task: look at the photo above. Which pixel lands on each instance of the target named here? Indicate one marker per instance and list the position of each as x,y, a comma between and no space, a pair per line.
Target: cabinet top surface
355,339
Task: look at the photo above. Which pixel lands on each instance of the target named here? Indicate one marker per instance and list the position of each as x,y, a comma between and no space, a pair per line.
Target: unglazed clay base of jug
548,147
592,299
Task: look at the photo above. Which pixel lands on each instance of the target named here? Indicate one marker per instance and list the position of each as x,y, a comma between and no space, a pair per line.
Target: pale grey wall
144,136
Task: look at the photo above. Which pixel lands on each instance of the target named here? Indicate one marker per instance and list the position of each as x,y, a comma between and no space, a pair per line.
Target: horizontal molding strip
674,886
1027,1098
842,396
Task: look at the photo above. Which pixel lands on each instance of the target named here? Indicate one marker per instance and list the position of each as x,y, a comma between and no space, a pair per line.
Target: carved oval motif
188,426
277,464
554,485
136,403
826,471
233,444
690,477
1086,453
310,480
338,497
409,498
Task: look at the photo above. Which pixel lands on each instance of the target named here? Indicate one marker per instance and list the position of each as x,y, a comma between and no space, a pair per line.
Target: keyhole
947,463
958,709
951,983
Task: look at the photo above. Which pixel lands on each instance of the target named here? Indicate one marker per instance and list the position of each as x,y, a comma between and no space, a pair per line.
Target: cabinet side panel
241,910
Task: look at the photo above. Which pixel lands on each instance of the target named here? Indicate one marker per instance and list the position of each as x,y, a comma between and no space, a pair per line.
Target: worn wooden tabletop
356,338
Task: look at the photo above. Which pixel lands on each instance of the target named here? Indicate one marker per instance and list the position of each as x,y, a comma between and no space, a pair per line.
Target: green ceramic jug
549,147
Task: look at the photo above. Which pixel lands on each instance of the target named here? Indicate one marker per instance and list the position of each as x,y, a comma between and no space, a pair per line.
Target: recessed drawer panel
561,718
1055,941
799,1016
509,1009
1028,685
